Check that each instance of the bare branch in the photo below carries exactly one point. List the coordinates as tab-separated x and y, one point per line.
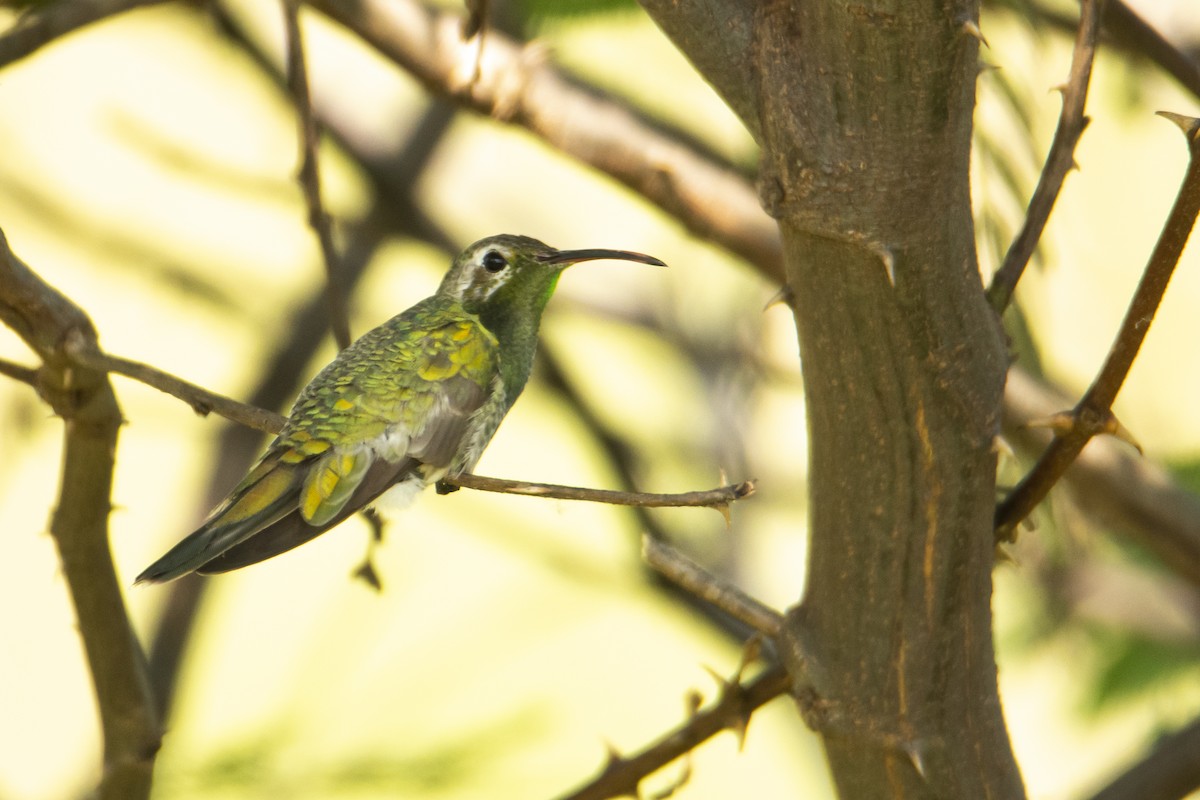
1093	414
18	372
200	399
1118	490
717	498
48	321
737	701
693	578
1059	161
516	85
310	173
37	28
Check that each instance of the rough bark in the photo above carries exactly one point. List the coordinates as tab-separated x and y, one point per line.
863	112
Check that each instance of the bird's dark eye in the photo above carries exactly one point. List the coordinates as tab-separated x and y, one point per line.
494	261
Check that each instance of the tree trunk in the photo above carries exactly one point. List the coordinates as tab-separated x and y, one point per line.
863	112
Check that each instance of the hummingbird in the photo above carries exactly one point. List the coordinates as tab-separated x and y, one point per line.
413	401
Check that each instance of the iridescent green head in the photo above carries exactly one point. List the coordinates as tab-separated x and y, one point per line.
516	272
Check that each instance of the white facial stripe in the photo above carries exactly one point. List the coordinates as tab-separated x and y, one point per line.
485	281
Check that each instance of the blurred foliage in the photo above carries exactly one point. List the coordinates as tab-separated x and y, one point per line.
160	196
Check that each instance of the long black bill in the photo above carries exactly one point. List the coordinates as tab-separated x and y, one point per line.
575	256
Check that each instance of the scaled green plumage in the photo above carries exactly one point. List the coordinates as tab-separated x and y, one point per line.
411	401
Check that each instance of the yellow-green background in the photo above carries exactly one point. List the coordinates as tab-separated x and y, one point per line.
146	170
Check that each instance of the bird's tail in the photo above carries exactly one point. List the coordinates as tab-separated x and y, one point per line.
267	495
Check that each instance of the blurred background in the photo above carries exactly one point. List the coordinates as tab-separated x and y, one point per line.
148	172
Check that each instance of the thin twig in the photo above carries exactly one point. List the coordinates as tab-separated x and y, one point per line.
310	174
690	576
1093	414
1059	161
717	498
200	399
621	776
18	372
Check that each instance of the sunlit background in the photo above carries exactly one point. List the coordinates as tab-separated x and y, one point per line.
147	172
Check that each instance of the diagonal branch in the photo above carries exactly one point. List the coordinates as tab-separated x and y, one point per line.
621	776
516	85
1093	414
200	399
1059	161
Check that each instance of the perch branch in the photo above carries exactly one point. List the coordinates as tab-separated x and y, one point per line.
1059	161
717	498
1093	414
309	175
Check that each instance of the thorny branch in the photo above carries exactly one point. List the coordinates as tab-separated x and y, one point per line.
1059	161
622	775
310	172
1093	414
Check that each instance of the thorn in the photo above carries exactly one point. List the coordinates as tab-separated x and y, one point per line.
1115	429
970	28
723	510
913	750
751	652
1060	88
785	295
612	757
1002	554
722	683
1189	125
889	262
1075	166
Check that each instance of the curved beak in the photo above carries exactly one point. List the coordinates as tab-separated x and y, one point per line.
567	257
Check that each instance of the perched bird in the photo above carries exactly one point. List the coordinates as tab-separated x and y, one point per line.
412	401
